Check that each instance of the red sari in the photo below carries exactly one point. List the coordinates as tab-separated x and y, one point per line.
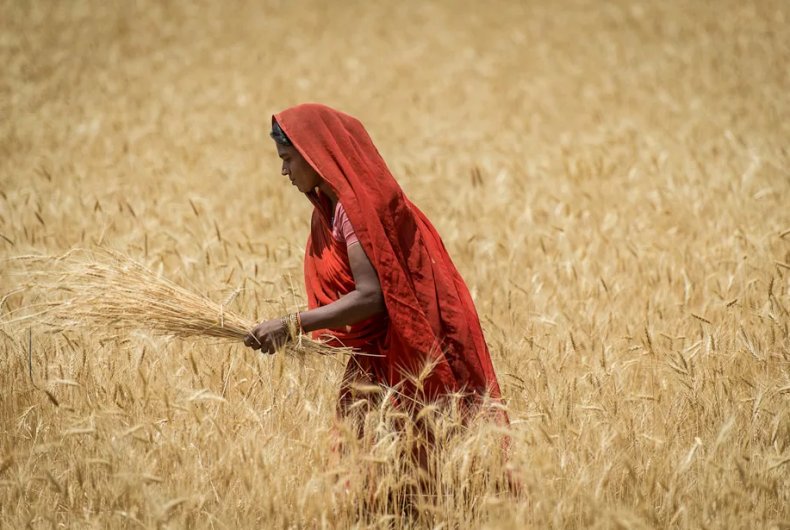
430	314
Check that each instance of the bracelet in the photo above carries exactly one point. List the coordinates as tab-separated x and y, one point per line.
292	323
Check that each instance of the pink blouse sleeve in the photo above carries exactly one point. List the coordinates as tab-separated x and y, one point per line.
343	225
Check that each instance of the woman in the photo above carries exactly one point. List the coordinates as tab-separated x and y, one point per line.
377	275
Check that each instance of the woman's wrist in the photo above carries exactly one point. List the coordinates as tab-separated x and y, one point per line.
292	325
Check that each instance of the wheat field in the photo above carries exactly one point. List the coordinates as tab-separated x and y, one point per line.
611	178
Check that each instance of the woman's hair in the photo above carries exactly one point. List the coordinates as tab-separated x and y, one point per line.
278	135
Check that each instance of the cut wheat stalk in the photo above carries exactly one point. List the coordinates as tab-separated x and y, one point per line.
114	292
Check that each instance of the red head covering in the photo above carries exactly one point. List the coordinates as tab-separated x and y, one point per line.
431	314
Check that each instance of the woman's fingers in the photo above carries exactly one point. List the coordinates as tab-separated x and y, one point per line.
251	341
261	338
267	336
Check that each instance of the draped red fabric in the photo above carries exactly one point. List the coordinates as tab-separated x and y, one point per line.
430	314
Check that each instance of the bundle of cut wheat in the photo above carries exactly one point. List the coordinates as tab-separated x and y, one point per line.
112	291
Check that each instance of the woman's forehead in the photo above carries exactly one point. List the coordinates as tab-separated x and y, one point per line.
286	150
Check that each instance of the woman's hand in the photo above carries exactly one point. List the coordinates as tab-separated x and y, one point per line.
267	336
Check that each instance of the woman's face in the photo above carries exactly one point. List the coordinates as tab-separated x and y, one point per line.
296	168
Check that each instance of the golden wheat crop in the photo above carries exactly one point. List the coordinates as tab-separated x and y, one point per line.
611	178
113	294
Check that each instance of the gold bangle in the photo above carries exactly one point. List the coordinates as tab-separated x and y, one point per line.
291	323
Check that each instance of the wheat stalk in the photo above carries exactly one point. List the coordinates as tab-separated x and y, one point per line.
114	292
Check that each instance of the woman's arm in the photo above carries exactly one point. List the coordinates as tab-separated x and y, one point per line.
363	302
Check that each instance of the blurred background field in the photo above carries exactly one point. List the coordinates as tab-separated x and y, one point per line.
611	178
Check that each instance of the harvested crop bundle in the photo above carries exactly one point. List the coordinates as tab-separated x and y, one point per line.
112	291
